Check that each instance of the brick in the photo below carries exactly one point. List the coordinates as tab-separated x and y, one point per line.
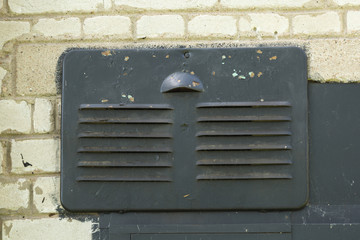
64	28
42	154
15	116
167	26
165	4
14	196
263	3
329	60
325	24
47	228
36	68
267	24
347	2
101	26
353	21
2	75
12	29
215	26
47	194
43	6
43	116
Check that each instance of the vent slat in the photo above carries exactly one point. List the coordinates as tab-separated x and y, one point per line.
244	161
249	176
124	120
122	135
243	133
120	179
243	118
123	150
243	104
123	164
243	147
124	106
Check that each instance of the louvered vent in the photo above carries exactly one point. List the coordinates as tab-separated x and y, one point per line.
240	140
184	129
132	143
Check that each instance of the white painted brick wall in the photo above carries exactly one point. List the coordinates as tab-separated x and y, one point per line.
43	116
166	4
42	154
317	25
353	21
263	3
206	25
47	228
62	28
347	2
15	116
14	195
44	6
47	194
266	24
167	26
98	27
12	29
2	75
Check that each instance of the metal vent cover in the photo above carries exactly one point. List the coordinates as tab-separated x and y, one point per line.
184	129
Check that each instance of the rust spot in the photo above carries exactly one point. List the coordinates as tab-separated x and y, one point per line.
259	74
167	56
126	58
251	74
104	100
192	73
195	84
229	56
259	51
186	195
106	53
131	99
273	58
213	73
125	74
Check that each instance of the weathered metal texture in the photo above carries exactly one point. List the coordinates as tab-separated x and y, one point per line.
132	142
333	210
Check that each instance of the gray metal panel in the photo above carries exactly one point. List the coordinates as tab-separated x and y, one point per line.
241	143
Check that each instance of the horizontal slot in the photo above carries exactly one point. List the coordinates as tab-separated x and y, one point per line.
241	111
130	157
246	140
124	150
244	133
124	120
244	126
248	176
146	129
241	147
122	135
120	179
124	106
126	142
243	104
243	118
243	161
143	174
123	164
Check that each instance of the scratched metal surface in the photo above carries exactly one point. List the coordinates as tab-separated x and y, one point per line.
238	142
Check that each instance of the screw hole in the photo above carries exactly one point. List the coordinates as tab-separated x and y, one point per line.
186	54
